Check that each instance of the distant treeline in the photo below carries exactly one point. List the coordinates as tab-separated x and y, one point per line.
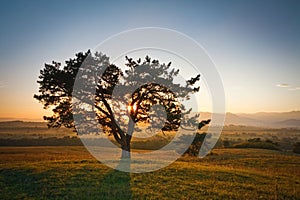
258	143
75	141
50	141
149	144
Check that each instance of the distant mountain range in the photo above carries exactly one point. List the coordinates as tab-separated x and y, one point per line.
261	119
6	119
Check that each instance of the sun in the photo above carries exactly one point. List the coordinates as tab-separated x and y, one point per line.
131	108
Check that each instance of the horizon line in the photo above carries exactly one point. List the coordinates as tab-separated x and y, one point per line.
28	119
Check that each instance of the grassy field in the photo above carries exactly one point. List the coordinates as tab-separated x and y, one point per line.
72	173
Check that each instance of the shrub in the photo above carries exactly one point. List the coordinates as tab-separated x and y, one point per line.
257	143
194	148
226	143
296	147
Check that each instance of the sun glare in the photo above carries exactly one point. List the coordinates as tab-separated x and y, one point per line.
131	108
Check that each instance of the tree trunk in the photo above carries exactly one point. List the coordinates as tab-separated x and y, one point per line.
126	151
125	161
124	164
126	143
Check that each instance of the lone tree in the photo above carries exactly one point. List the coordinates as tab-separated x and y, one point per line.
90	88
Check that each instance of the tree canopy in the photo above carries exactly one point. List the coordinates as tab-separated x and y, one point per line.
90	88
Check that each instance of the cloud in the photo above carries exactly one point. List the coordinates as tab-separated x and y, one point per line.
288	86
283	85
293	89
2	84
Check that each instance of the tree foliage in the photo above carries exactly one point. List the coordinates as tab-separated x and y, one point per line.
105	93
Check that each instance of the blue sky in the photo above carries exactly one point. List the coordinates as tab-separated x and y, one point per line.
254	44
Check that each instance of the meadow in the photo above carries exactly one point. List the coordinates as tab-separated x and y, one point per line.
41	163
70	172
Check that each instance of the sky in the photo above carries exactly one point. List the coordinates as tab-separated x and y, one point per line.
255	45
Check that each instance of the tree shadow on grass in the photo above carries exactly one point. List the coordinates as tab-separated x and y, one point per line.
81	183
116	183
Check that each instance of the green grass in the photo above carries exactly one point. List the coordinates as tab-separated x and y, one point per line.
72	173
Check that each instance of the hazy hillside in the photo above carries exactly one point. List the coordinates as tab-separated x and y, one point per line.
289	123
262	119
273	116
5	119
20	129
22	124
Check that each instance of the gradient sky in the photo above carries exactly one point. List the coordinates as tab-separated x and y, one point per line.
254	44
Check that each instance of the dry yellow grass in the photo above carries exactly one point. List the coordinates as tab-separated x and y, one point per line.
72	173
